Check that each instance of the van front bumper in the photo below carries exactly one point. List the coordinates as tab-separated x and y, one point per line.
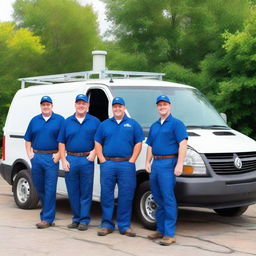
216	192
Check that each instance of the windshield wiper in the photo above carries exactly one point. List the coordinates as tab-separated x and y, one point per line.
223	127
194	127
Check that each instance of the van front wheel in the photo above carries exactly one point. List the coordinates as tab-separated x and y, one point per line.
231	212
145	206
25	195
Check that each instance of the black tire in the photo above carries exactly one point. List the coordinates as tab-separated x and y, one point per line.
24	193
232	212
144	206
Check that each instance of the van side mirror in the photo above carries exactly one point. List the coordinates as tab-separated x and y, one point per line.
224	117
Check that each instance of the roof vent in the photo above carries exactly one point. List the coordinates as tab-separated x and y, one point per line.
99	60
192	134
224	133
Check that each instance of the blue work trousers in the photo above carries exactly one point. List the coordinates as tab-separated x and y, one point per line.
162	183
79	182
44	176
122	173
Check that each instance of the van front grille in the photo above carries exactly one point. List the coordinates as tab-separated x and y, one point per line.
232	163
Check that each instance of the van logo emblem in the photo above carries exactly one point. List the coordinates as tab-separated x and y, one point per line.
127	125
238	163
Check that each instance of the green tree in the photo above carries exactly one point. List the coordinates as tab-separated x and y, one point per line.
237	91
68	30
118	59
20	55
182	31
179	74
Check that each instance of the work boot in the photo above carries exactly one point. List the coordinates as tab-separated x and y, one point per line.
155	235
44	224
104	231
73	225
82	227
167	240
128	232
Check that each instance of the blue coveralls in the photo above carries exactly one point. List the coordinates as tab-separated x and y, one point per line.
79	138
164	140
43	137
118	140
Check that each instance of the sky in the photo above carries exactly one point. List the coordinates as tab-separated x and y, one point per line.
99	7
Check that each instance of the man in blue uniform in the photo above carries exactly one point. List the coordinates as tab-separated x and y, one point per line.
76	139
167	146
118	143
42	149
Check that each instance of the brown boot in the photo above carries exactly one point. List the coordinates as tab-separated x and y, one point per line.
44	224
104	231
73	225
155	235
167	240
82	227
128	232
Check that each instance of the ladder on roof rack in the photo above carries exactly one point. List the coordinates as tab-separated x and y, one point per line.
85	75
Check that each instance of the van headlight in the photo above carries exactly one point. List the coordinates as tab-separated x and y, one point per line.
193	164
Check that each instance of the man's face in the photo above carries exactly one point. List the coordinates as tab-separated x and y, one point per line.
46	108
164	108
81	107
118	111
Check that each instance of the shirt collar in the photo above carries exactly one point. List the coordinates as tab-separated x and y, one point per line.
124	119
87	116
166	120
51	117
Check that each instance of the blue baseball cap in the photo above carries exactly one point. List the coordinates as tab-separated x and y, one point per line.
163	98
118	100
81	97
46	99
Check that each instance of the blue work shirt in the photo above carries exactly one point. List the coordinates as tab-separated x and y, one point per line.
79	137
118	140
164	139
43	134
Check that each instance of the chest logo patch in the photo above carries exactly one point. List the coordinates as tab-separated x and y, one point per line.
127	125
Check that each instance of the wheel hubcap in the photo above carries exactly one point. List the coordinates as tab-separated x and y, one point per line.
23	190
148	207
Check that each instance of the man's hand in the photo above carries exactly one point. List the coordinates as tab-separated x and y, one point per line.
131	160
91	157
56	157
148	167
178	169
31	155
65	165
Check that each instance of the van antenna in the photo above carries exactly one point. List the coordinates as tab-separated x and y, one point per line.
111	79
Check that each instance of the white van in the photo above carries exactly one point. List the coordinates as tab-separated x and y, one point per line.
220	166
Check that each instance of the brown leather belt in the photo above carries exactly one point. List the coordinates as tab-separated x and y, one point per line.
165	157
78	153
45	151
117	158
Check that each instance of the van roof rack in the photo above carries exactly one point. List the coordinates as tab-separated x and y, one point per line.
84	75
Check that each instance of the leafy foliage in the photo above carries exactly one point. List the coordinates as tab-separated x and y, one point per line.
182	31
68	30
238	90
20	55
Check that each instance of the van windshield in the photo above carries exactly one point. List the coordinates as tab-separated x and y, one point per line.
188	105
